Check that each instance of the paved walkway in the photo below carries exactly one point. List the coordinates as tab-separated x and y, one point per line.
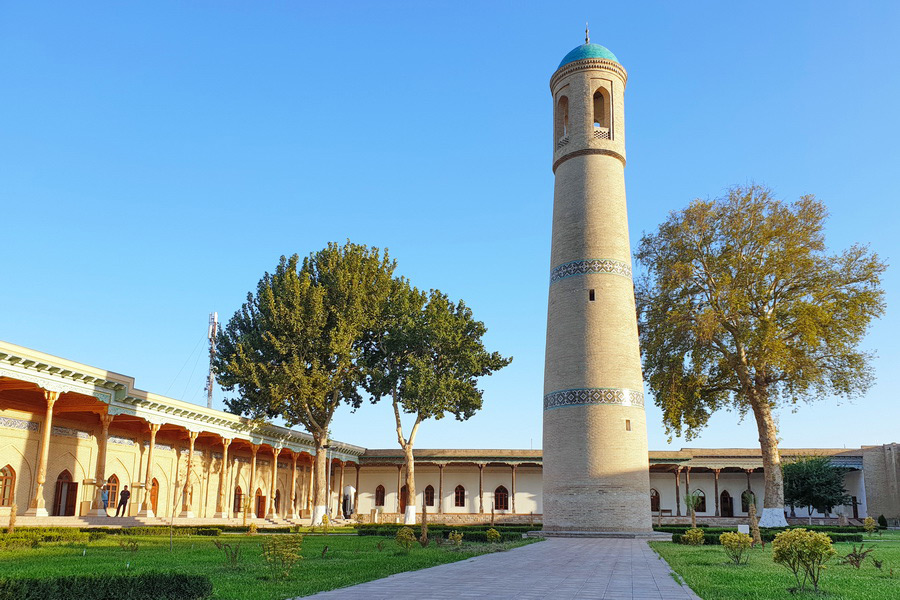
558	568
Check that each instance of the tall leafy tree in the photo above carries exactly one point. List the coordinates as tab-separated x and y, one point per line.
294	349
743	308
427	357
816	483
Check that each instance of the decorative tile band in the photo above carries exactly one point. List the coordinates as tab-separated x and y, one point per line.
241	459
69	432
586	396
19	424
114	439
590	265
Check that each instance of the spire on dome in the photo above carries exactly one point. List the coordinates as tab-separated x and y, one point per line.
587	34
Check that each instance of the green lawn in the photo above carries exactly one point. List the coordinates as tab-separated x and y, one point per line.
706	570
349	560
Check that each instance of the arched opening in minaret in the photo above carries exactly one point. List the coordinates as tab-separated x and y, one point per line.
601	108
562	117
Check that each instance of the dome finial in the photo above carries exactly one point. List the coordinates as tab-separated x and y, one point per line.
587	34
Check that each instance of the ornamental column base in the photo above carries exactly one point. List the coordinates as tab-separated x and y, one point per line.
186	514
38	511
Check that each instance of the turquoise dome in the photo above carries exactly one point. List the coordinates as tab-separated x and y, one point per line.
588	51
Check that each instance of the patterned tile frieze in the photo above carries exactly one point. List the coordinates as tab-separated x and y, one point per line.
241	459
586	396
589	266
69	432
124	441
19	424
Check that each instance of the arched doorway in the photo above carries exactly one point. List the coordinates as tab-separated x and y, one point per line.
726	504
260	504
112	489
501	498
66	495
654	500
154	496
404	499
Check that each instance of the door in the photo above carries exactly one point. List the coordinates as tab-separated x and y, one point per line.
66	495
154	496
260	505
727	504
855	508
404	498
278	502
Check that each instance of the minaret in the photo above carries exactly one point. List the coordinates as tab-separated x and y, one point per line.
595	474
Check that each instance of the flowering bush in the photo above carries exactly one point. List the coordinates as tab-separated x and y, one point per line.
693	537
804	553
493	536
736	545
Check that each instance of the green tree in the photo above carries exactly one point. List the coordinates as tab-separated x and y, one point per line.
294	349
743	308
816	483
427	357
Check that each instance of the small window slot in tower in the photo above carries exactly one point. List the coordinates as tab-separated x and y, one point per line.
591	295
627	424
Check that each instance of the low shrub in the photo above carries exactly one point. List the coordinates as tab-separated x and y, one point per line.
804	553
737	546
693	537
405	538
209	531
147	586
492	535
856	557
870	525
232	554
712	539
282	553
456	537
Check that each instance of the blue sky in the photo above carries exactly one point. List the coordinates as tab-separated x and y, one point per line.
157	158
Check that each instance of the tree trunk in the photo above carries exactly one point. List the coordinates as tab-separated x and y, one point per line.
409	517
320	494
773	500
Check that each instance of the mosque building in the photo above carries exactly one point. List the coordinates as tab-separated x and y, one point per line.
72	436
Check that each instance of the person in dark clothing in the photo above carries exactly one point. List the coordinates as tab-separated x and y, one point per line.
124	495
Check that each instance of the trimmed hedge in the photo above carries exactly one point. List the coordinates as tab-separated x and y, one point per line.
147	586
712	539
390	529
79	534
707	529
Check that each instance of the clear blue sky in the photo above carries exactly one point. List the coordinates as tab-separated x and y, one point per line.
156	158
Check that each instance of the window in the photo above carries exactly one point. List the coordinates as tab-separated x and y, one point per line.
601	108
429	496
746	498
238	500
112	486
459	496
501	498
701	506
562	117
627	424
591	295
7	485
379	496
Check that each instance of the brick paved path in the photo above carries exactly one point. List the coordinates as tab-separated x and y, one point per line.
558	568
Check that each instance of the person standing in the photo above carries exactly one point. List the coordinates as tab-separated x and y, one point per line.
124	495
104	497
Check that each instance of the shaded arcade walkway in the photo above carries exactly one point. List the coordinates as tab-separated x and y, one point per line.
558	568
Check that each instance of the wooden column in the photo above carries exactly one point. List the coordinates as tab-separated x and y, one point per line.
716	475
37	507
302	489
147	507
340	493
440	488
513	491
293	514
100	473
186	495
399	488
312	483
677	491
356	492
223	477
251	493
687	481
273	488
481	488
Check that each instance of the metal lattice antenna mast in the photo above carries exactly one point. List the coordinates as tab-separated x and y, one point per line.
212	334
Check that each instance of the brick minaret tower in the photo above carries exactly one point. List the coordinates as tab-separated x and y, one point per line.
595	438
